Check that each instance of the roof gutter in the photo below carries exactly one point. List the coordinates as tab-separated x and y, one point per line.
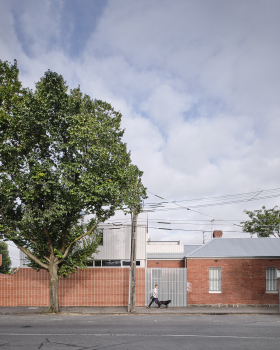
232	257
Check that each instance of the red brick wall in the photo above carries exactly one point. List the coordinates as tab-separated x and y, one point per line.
92	287
26	287
166	263
243	282
101	287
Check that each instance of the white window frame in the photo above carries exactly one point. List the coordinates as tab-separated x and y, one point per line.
215	280
271	281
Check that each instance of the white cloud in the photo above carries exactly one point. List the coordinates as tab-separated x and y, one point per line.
166	106
197	83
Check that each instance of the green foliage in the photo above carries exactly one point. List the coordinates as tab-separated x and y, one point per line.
264	222
6	261
61	157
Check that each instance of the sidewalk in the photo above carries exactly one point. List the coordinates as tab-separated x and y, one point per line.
111	310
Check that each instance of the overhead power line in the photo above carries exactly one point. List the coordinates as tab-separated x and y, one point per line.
181	229
184	207
212	201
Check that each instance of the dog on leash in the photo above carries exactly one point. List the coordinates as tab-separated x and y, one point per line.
165	303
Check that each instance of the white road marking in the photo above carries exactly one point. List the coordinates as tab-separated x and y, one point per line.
139	335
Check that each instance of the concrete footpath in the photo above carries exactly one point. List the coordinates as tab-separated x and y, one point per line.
111	310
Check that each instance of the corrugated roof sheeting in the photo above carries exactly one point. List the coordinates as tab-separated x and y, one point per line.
239	247
190	248
173	255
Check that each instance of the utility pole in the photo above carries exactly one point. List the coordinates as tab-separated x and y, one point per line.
132	275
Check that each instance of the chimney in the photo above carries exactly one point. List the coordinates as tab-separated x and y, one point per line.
217	234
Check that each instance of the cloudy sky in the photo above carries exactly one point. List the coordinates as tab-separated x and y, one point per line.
197	83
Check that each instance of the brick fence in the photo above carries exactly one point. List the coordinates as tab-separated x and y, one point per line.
92	287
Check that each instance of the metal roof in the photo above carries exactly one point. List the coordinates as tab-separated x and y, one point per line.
238	247
187	250
190	248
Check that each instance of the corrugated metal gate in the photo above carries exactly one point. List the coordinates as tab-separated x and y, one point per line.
172	284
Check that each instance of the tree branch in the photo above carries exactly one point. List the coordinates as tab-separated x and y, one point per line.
19	233
76	240
49	240
31	256
64	232
83	235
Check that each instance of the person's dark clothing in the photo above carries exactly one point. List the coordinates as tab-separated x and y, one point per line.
154	300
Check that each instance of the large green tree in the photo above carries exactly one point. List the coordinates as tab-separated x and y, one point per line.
61	158
6	261
264	222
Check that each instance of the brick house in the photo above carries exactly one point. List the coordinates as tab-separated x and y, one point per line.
226	271
234	271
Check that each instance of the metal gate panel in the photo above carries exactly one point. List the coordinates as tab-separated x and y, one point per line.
172	284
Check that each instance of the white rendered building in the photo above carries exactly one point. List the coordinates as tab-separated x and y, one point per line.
115	245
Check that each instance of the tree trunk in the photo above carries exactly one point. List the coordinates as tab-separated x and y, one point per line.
53	293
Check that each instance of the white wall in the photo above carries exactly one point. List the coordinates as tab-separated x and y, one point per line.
117	243
23	259
165	248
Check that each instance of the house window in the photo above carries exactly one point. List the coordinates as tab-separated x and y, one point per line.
271	279
127	263
215	284
111	263
92	263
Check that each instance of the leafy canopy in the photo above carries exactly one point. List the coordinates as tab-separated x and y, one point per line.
264	222
61	157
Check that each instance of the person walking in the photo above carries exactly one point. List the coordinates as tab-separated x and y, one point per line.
154	297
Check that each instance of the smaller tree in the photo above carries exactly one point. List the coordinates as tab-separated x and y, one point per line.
264	222
6	261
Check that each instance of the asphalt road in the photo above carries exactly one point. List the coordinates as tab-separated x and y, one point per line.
140	332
